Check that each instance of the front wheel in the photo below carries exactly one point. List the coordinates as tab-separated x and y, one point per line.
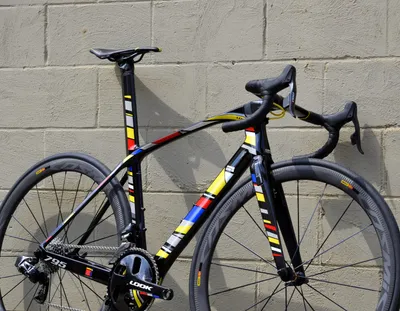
347	237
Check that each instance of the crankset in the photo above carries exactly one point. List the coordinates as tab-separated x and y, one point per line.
134	282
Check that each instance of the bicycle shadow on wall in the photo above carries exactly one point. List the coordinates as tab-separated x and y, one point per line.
370	167
181	163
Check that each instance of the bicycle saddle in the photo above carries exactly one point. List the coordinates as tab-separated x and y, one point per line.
114	55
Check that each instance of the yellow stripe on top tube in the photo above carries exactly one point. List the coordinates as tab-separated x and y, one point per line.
250	139
218	184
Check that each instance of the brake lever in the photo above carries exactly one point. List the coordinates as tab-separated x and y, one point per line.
356	136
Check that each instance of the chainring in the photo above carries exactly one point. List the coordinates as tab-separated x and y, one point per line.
134	299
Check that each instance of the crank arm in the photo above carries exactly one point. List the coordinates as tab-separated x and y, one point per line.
155	290
146	288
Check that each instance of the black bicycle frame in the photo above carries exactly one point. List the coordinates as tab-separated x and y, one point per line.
254	153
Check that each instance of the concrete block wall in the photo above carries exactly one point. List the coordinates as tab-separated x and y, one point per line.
55	96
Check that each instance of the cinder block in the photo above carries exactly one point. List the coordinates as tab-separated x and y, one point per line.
391	151
213	30
192	163
370	165
226	87
167	96
19	151
177	279
321	29
23	38
51	97
393	28
122	25
373	85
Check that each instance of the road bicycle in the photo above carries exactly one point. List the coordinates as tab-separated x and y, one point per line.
299	234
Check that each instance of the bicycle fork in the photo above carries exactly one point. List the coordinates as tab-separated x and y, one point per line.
274	210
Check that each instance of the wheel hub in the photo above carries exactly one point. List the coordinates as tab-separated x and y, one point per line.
292	278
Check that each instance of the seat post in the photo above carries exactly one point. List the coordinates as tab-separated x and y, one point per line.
132	142
127	68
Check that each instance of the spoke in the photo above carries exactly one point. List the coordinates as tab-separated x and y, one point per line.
269	297
34	217
84	293
10	276
326	297
346	266
8	256
33	297
87	286
73	241
262	231
55	291
239	268
298	213
14	286
90	189
76	192
308	224
62	191
60	287
345	285
25	296
41	208
286	301
72	207
59	207
290	299
266	261
100	239
63	289
25	229
48	295
273	293
304	298
304	302
333	228
241	286
58	202
337	244
22	239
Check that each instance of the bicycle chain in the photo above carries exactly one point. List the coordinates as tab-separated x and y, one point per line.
57	242
56	306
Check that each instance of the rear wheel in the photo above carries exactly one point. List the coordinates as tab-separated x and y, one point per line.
38	202
347	237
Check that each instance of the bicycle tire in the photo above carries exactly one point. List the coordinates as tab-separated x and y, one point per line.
40	178
312	170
